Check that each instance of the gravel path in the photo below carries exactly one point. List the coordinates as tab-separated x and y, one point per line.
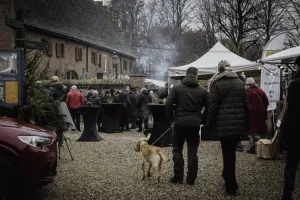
110	169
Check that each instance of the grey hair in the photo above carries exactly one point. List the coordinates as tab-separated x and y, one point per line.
54	79
95	92
192	71
143	89
74	87
222	65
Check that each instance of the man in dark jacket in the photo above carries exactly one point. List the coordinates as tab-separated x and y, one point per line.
133	100
143	110
292	136
125	109
164	94
58	90
229	112
184	107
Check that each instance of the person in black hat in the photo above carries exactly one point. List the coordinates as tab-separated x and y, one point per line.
292	136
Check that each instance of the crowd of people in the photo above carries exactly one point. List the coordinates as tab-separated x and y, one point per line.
134	109
234	107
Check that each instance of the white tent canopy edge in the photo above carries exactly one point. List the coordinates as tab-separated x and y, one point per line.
208	63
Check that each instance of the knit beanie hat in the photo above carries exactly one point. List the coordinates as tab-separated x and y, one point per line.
250	81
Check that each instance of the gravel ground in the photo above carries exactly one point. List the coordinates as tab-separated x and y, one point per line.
110	169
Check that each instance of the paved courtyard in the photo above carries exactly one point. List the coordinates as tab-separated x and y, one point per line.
110	169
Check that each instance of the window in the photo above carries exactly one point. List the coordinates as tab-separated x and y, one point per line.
99	75
94	58
60	50
125	65
100	61
78	54
49	51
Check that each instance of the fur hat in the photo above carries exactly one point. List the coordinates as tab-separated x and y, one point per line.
54	79
250	81
223	64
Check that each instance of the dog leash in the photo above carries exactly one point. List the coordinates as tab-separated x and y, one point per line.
162	135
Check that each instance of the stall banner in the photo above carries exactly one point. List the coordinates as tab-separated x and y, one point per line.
270	84
270	74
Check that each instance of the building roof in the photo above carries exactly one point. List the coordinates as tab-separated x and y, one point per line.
79	20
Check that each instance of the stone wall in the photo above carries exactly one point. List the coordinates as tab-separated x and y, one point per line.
7	35
66	66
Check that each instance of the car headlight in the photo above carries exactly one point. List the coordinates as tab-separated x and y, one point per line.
36	141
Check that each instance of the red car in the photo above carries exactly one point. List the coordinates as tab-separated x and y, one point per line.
28	158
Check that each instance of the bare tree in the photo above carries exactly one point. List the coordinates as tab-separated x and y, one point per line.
174	14
293	22
128	12
237	20
206	14
271	16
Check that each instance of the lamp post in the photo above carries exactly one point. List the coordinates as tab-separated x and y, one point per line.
115	61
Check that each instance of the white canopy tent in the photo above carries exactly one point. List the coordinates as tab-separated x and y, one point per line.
286	54
208	63
158	83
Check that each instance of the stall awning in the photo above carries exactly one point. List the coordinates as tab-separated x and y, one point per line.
208	63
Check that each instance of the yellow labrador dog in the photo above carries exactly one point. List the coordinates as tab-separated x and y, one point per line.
152	155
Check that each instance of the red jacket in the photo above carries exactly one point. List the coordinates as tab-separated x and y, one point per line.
74	99
259	103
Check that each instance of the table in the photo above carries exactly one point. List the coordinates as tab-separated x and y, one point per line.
111	117
89	115
160	125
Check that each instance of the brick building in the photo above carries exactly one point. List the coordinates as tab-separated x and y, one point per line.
81	35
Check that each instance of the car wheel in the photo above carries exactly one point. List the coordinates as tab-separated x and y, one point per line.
9	180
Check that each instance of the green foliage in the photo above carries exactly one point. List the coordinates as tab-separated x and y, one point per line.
40	106
160	101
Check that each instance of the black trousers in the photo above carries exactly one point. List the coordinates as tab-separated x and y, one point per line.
292	161
124	123
133	119
141	121
229	157
75	114
190	134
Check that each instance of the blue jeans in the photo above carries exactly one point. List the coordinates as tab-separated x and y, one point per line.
291	164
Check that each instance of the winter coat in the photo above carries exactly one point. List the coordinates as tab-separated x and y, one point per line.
258	102
58	91
95	100
185	102
143	99
164	94
87	96
228	108
133	100
108	99
125	100
293	114
74	99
